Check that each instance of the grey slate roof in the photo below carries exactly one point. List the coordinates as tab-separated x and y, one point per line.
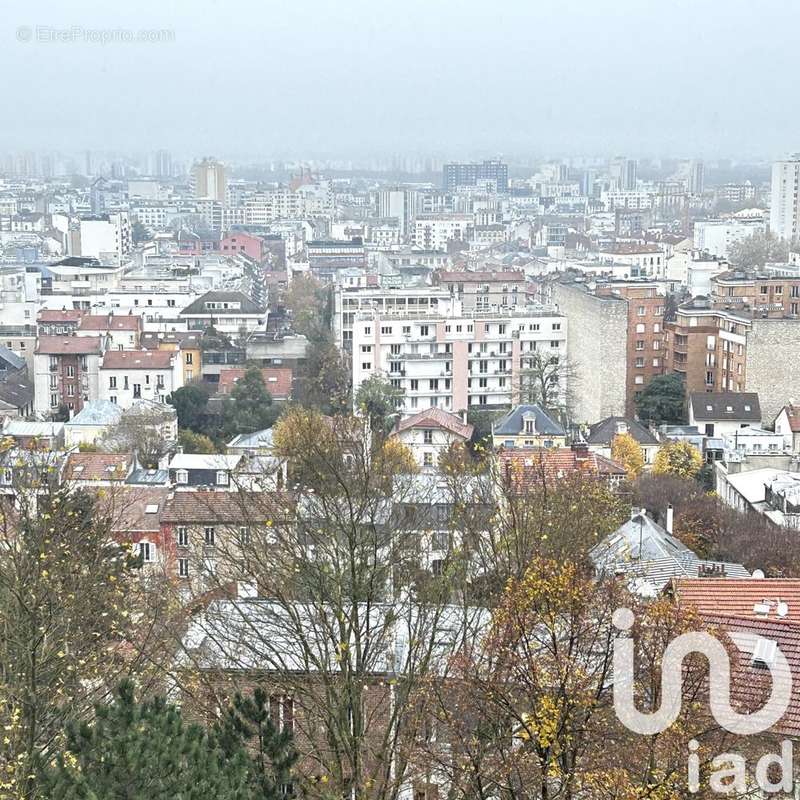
512	423
247	306
603	432
16	391
11	358
650	557
97	412
736	406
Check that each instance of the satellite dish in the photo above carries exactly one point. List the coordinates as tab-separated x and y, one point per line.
758	574
782	609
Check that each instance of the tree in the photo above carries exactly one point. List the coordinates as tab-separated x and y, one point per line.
378	401
663	401
305	298
325	379
145	751
192	442
68	635
248	721
547	381
757	250
681	459
141	431
190	402
248	408
628	452
139	232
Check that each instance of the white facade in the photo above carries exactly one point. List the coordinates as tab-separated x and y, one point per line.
453	361
107	237
434	231
717	236
427	444
784	211
138	380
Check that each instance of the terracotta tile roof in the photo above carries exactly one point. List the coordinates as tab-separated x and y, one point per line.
527	467
240	508
110	322
138	359
751	683
68	345
435	418
724	597
278	380
134	509
98	466
59	315
793	415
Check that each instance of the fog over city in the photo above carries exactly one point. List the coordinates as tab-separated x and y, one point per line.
316	78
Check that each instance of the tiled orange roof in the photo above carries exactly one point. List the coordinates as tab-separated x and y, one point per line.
278	380
435	418
98	466
59	315
68	345
793	414
110	322
138	359
527	467
738	598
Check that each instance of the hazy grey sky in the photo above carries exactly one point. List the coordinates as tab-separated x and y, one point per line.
350	77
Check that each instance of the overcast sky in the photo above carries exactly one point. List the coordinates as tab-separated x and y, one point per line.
277	78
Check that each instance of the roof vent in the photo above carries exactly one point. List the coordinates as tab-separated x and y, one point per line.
761	609
764	652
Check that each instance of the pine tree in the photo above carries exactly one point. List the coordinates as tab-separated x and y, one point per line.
249	407
144	751
248	722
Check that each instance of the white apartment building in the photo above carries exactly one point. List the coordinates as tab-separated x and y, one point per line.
155	215
434	231
127	376
451	360
784	209
349	300
633	200
107	236
717	235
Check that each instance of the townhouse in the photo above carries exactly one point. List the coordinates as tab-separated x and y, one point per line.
66	372
126	376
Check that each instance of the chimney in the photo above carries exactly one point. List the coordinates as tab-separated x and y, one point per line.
581	450
670	514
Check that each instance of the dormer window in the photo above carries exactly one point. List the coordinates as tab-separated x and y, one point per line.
222	478
530	425
181	476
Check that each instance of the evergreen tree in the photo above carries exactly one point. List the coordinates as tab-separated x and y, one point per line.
249	407
144	751
248	722
663	401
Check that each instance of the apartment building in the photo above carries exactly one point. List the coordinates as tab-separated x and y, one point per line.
120	332
706	347
130	375
482	290
415	300
784	208
644	335
717	236
763	294
66	372
456	360
434	231
644	260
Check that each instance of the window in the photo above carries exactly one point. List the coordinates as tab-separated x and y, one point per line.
414	384
244	535
386	330
427	459
183	536
112	382
640	361
641	311
70	371
190	358
554	344
137	390
209	536
53	401
181	476
427	436
366	366
556	326
147	552
640	328
639	379
113	399
640	344
183	567
222	477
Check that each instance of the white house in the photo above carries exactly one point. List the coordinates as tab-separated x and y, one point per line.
721	413
429	434
787	423
130	375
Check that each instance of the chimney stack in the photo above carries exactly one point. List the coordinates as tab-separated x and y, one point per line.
670	514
